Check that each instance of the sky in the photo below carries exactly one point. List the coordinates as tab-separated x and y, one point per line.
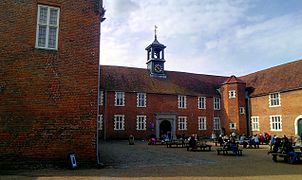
217	37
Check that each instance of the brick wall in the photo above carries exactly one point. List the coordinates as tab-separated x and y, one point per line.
48	99
230	108
290	109
156	103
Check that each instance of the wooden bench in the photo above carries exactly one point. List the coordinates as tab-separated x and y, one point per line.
201	147
227	151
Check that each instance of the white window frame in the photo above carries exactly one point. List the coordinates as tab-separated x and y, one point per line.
141	122
141	99
232	94
216	123
241	110
182	123
202	123
182	102
216	103
119	99
201	102
276	122
273	100
232	125
101	98
119	122
255	123
100	122
48	25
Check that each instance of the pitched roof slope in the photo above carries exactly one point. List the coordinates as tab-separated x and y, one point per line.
276	79
233	79
128	79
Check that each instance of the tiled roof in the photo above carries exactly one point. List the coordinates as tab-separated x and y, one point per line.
276	79
233	79
128	79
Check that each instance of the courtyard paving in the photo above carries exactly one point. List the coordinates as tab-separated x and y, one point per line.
142	161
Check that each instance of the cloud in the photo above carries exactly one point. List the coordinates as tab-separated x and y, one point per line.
202	36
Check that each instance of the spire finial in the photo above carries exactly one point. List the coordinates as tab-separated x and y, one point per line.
155	31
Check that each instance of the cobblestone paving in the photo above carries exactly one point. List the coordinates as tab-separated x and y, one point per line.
119	154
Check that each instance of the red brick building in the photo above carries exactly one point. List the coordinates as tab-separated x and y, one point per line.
275	100
149	101
49	57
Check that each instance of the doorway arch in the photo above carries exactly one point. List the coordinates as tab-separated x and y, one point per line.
165	127
298	125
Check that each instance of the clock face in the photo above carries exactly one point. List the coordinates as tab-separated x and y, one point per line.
158	68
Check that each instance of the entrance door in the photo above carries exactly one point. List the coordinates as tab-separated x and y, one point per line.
300	126
165	128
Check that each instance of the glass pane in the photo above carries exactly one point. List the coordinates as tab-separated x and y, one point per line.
43	15
52	37
53	17
42	36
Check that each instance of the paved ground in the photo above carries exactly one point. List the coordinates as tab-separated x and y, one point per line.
142	161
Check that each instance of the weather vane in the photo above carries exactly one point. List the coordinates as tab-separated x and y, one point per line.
155	30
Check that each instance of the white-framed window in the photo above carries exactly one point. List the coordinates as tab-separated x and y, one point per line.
232	125
216	103
47	27
182	102
255	123
119	122
242	110
274	100
100	122
141	122
201	102
276	123
101	98
182	123
216	123
141	99
232	94
119	99
202	123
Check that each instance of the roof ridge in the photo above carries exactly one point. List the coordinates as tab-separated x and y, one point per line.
130	67
277	66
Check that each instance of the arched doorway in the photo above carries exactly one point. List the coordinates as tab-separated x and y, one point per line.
299	123
165	128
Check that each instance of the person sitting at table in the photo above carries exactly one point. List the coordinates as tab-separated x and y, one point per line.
242	140
233	145
193	143
220	140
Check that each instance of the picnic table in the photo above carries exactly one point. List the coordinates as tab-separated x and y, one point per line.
229	149
286	157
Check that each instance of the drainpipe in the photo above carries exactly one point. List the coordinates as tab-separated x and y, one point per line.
105	114
248	107
101	11
98	111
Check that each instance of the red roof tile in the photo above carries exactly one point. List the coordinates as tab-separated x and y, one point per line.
233	79
128	79
276	79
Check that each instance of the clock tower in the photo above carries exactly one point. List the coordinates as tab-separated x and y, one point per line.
156	58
